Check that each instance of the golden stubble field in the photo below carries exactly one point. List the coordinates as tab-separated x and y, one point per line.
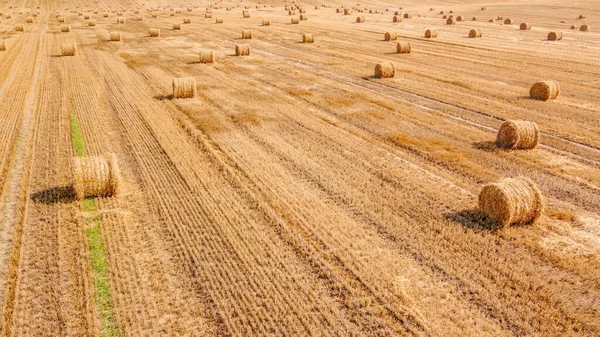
295	194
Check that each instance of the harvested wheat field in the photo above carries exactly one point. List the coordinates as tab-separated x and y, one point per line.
166	173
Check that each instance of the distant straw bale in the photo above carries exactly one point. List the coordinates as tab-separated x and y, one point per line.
246	34
242	50
206	56
584	28
184	87
544	90
525	26
390	36
115	36
360	19
431	33
555	36
475	33
68	49
385	70
515	134
308	38
403	47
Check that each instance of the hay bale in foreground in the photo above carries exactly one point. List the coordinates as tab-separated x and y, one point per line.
154	32
514	134
246	34
512	201
525	26
242	50
65	28
96	176
184	87
68	49
360	19
206	56
555	36
308	38
403	47
115	36
266	22
544	90
475	33
390	36
385	70
584	28
431	33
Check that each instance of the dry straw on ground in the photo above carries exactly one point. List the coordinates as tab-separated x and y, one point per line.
266	22
360	19
390	36
475	33
68	49
308	38
154	32
246	34
96	176
207	56
385	70
544	90
431	33
512	201
115	36
515	134
65	28
525	26
184	87
242	50
403	47
555	36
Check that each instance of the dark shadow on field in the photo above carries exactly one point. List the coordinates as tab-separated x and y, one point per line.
474	219
163	97
486	146
55	195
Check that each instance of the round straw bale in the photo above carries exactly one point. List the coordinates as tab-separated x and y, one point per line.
246	34
581	16
62	20
407	15
385	70
584	28
295	21
219	20
207	56
96	176
338	10
68	49
451	11
347	11
459	18
92	23
242	50
360	19
507	21
397	13
187	20
291	12
115	36
245	14
491	20
544	90
303	17
65	28
445	17
397	18
475	33
403	47
120	20
2	45
555	36
266	22
105	15
514	134
176	26
441	12
512	201
86	17
184	87
483	8
208	15
574	27
154	32
474	18
525	26
431	33
390	36
308	38
29	20
451	21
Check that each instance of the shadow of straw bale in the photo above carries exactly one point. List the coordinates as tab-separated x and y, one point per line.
474	219
55	195
486	146
163	97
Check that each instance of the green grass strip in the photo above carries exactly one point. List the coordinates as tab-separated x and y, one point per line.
100	277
